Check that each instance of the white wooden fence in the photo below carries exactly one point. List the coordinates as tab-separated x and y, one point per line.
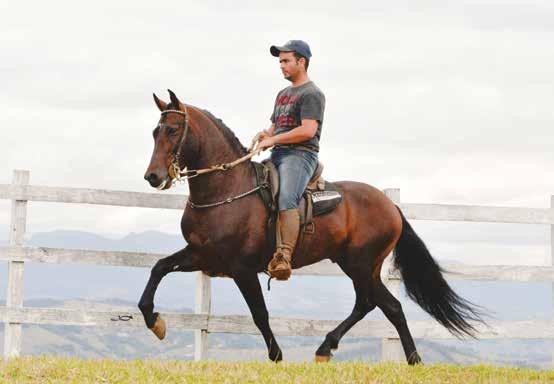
202	322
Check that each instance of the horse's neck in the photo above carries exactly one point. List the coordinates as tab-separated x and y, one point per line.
219	185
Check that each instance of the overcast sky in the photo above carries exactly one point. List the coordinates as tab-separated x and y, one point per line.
452	102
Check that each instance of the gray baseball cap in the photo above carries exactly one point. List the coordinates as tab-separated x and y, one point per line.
298	46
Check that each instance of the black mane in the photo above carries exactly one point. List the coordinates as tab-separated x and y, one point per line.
227	133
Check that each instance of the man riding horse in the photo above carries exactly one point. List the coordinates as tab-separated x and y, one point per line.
294	133
225	221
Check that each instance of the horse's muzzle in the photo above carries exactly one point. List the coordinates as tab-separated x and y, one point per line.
153	179
156	182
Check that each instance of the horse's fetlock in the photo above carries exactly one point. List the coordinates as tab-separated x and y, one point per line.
276	355
333	341
145	307
414	358
323	350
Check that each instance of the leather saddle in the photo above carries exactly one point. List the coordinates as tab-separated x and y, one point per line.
320	197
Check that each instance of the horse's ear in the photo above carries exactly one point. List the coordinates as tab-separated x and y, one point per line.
161	104
174	100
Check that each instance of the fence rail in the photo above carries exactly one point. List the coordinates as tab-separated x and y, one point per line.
436	212
454	271
281	326
202	322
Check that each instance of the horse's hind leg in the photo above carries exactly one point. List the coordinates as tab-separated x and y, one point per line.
364	304
179	261
392	309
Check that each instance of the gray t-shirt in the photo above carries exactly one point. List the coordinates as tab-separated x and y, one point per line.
294	104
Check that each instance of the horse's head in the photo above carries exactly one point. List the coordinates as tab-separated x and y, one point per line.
169	137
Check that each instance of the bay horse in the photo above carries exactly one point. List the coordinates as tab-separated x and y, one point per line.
229	238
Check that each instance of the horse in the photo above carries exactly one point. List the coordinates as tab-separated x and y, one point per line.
229	236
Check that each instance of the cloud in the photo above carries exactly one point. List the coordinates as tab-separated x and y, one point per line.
451	102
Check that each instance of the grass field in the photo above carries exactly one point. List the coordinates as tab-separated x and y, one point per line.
60	370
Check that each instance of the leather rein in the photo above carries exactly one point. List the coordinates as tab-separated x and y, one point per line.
176	174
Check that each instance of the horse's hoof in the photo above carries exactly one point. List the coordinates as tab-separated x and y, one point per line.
414	359
159	327
322	358
278	358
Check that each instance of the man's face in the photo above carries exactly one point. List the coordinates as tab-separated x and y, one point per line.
290	66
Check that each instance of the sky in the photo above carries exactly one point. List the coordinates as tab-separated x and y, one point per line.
449	101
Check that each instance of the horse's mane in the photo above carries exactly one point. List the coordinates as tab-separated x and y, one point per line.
227	132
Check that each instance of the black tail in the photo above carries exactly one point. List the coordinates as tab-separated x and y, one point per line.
426	286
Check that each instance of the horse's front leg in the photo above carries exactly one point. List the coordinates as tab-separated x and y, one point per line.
179	261
249	286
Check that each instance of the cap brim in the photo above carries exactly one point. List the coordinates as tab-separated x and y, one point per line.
276	50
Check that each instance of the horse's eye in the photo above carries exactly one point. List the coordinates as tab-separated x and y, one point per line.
171	131
155	133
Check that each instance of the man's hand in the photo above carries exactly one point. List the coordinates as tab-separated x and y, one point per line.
269	141
260	136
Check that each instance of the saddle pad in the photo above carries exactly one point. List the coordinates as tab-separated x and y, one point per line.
325	201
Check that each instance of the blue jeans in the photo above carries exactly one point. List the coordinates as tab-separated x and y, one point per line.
295	167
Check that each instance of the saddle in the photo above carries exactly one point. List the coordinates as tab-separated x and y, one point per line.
319	197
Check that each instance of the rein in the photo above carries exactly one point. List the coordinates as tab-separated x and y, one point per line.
188	174
176	174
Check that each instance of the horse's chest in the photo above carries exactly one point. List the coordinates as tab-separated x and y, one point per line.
212	253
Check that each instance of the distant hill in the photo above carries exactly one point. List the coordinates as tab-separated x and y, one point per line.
149	241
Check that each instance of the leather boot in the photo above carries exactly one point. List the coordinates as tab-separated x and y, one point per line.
288	226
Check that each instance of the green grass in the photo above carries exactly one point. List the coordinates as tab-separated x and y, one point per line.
63	370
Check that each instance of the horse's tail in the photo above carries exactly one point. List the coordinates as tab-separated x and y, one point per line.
426	286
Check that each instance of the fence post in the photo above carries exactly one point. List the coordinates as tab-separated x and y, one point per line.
391	348
202	305
552	264
14	294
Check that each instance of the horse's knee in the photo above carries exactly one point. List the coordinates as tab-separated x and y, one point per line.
159	269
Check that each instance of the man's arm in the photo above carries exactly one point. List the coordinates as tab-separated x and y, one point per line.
299	134
296	135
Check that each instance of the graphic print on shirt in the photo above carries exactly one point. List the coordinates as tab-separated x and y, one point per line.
293	104
285	111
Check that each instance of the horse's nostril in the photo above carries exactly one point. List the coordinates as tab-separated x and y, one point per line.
150	177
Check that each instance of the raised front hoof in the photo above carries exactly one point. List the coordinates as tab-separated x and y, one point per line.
159	327
322	358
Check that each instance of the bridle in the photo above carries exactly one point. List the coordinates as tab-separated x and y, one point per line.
175	173
174	170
